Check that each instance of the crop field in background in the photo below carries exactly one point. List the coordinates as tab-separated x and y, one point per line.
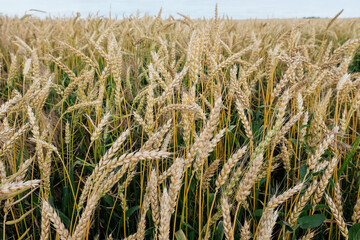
163	128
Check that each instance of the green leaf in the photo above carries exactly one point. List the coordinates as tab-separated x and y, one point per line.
65	198
130	211
354	232
294	141
37	10
180	235
108	200
307	207
258	212
288	226
190	227
211	198
81	162
219	234
322	206
303	170
350	155
311	221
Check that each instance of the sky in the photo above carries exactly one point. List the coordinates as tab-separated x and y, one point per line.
236	9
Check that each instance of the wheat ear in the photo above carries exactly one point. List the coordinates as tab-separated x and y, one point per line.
55	219
225	209
339	219
164	228
228	166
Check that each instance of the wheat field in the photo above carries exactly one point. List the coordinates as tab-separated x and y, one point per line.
178	128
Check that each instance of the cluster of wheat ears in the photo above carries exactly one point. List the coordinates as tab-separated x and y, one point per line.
176	128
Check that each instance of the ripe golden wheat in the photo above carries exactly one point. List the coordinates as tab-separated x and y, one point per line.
152	128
